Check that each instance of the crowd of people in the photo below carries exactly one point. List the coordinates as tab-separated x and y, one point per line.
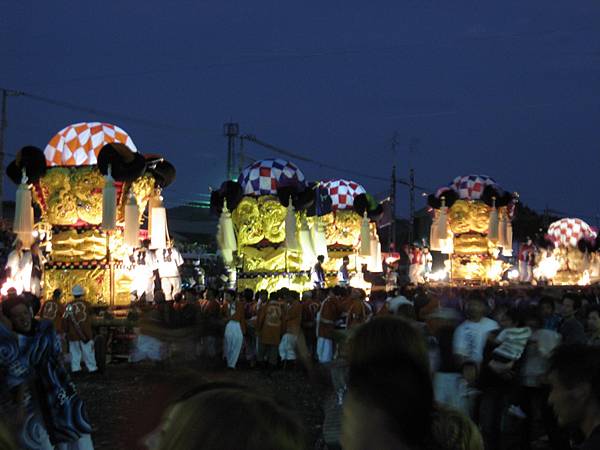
427	367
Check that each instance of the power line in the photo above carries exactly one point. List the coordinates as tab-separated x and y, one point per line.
95	111
299	157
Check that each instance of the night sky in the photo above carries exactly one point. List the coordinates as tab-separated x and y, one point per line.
510	89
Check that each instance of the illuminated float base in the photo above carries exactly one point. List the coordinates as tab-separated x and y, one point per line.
95	281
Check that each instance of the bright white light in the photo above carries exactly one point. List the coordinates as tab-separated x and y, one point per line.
440	275
513	274
547	268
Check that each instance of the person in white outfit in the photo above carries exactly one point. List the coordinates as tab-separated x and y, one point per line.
77	324
167	262
234	330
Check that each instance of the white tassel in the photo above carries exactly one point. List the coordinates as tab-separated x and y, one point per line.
318	238
502	231
159	233
306	246
365	237
291	242
229	241
493	223
375	264
109	202
507	251
443	220
434	238
23	221
132	222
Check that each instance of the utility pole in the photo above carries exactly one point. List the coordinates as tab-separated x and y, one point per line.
392	236
412	148
241	155
231	130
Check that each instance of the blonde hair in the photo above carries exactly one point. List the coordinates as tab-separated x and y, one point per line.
231	417
452	430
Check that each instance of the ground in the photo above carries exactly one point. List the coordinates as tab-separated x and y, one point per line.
126	402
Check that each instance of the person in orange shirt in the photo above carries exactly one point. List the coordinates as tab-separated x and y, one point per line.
293	318
235	328
326	318
358	312
77	324
53	311
270	324
310	309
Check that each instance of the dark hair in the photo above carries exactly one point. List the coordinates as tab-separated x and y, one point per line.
204	415
10	302
577	364
248	295
401	388
514	315
320	258
576	300
338	291
546	301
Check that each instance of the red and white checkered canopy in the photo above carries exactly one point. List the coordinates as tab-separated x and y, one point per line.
567	232
342	193
80	143
470	187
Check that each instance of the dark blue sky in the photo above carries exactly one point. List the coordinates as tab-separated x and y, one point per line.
510	89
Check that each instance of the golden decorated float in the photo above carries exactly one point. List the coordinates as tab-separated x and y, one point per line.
472	225
90	187
273	225
568	255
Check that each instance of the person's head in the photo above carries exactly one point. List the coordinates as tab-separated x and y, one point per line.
18	312
56	295
247	295
224	416
452	430
593	319
320	259
390	395
357	294
532	318
178	297
574	377
18	245
475	308
211	294
345	260
387	336
510	318
546	307
263	295
569	305
229	295
78	292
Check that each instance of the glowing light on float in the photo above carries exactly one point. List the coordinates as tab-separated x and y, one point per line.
585	279
439	275
513	274
547	268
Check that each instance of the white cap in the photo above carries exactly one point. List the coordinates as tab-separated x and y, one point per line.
77	291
